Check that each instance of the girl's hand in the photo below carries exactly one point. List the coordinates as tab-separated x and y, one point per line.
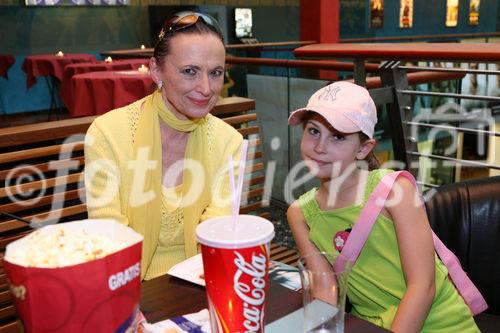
300	229
325	285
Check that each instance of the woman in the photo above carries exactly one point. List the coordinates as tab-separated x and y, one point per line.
159	165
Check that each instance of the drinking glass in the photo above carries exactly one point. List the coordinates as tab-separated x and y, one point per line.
324	292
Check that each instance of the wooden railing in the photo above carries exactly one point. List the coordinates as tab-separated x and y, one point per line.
148	52
268	46
372	82
422	38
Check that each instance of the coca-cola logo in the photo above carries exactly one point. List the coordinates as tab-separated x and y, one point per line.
253	295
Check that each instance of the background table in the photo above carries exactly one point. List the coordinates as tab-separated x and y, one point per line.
166	297
66	91
51	65
6	62
99	92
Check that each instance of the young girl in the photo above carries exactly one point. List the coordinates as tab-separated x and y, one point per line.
397	282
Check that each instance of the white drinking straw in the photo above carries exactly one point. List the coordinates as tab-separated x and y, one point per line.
231	180
236	191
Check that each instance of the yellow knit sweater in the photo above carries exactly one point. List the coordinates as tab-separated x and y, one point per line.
108	152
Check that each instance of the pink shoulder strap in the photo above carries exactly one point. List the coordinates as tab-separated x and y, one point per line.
363	226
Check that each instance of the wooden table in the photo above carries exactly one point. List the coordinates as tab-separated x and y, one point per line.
482	52
129	53
166	297
99	92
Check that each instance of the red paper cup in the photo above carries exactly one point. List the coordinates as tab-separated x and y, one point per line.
102	295
235	264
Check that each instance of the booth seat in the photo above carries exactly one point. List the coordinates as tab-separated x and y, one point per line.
466	217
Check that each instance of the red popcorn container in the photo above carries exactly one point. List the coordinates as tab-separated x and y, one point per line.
100	295
235	264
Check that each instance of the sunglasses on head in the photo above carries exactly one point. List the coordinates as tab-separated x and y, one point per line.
185	20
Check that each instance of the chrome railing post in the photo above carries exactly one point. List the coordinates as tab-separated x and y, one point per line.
400	111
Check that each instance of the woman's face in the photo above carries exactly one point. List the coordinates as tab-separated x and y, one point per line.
192	74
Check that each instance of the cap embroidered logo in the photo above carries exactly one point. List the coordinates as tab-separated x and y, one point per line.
329	93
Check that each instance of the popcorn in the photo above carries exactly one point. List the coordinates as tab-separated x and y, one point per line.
60	247
60	286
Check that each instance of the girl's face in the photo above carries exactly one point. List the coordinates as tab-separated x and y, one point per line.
192	74
328	152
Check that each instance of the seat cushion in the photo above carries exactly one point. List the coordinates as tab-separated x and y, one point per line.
487	323
466	217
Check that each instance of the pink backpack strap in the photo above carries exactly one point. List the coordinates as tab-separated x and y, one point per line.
469	292
364	224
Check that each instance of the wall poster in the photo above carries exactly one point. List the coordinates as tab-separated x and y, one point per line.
406	14
54	3
474	12
376	13
451	13
243	21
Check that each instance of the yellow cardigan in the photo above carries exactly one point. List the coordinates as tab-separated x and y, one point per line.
108	152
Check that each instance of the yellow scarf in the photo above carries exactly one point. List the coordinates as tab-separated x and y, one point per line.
144	210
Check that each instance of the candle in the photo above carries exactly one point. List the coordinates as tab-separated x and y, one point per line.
60	54
143	47
143	69
108	59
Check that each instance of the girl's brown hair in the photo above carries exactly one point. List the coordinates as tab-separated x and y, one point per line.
371	159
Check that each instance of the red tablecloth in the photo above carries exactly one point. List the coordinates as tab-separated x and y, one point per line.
6	62
99	92
66	91
50	64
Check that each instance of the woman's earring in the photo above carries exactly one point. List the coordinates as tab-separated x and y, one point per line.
160	84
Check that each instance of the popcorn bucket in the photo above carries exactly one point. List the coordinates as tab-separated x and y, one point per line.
100	295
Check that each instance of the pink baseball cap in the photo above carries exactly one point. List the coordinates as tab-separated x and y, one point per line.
345	105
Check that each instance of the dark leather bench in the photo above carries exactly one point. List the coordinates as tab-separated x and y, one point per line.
466	217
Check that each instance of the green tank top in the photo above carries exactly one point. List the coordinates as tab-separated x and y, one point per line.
376	282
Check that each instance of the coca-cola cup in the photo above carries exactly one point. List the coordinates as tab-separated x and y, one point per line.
235	262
